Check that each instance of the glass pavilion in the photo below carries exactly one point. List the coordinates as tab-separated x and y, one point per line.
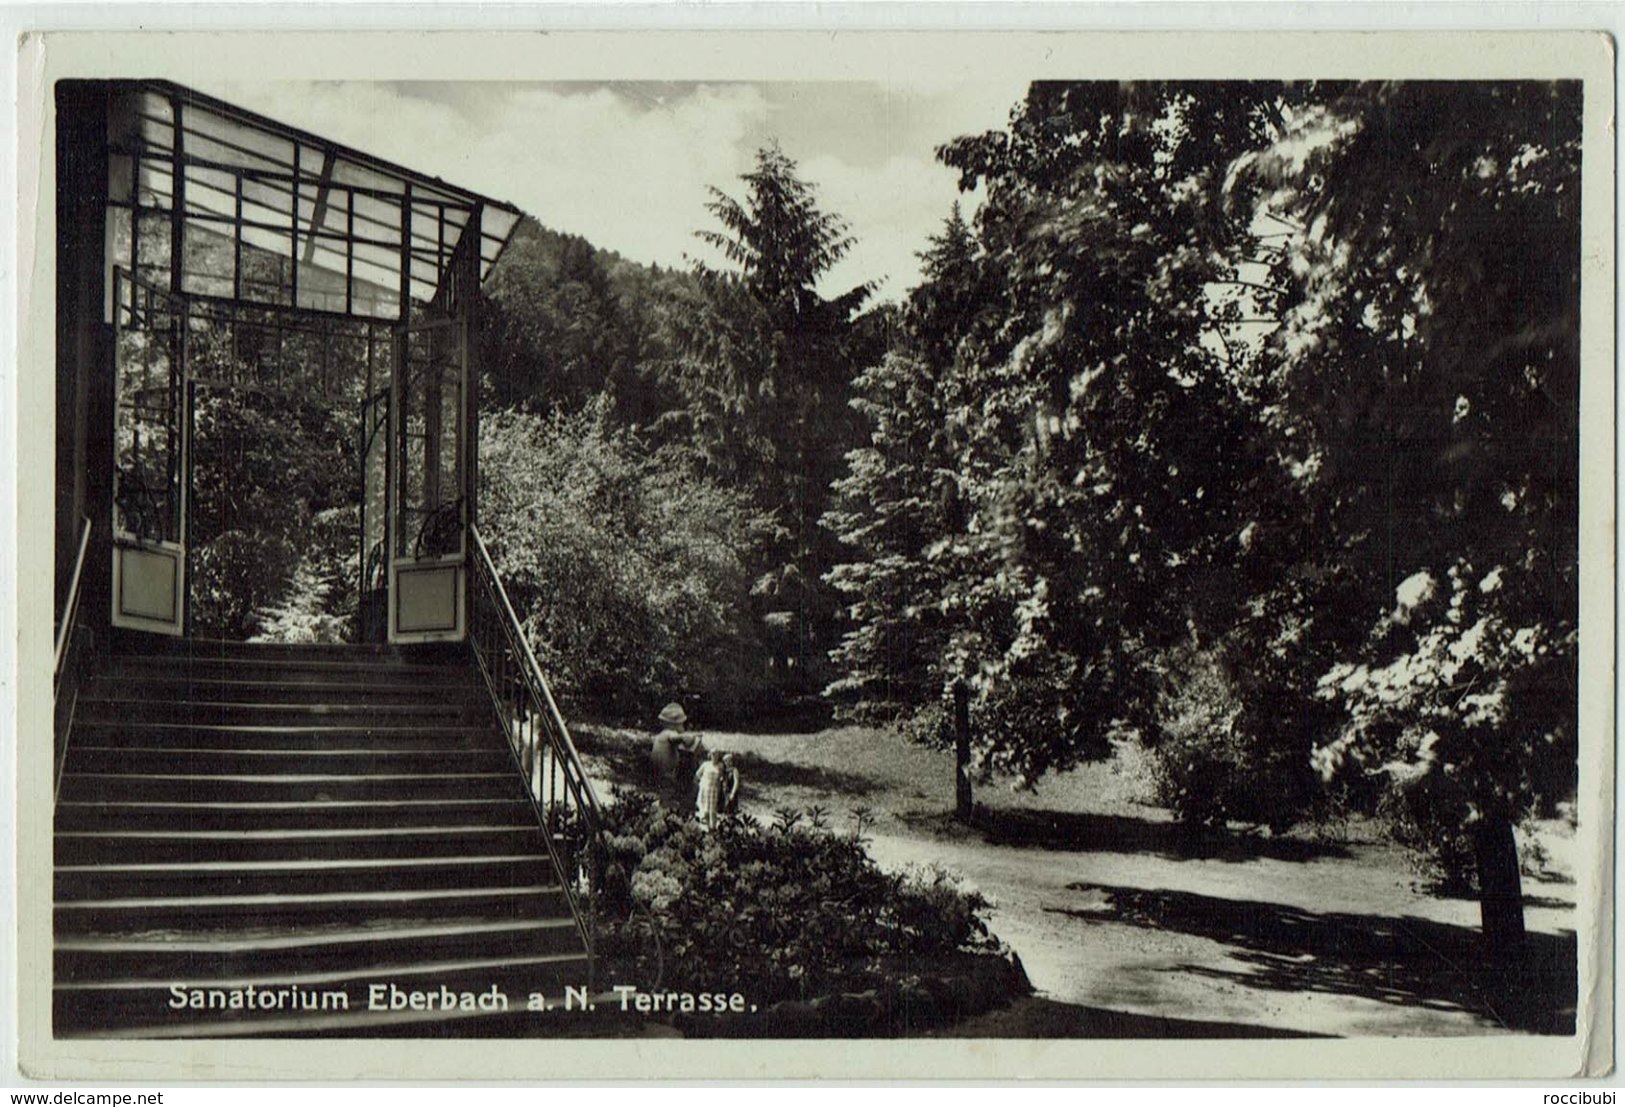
232	257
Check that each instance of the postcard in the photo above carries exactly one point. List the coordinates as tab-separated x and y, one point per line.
781	555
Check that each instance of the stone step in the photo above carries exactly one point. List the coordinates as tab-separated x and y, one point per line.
184	787
298	877
164	957
459	711
273	762
309	815
112	847
184	913
385	688
302	820
313	737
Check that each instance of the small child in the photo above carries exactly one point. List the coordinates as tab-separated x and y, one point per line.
730	785
709	779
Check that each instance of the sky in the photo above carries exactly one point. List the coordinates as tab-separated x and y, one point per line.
628	165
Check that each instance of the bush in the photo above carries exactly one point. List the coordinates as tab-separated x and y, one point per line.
786	911
1220	754
623	565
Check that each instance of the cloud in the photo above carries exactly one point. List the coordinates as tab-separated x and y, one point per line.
629	166
893	210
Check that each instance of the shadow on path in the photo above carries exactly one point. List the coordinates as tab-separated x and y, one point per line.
1037	828
1035	1017
1400	960
625	757
756	772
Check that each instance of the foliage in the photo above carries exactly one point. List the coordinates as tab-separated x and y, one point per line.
888	509
787	911
319	604
1214	760
1217	404
272	467
623	564
1437	724
565	325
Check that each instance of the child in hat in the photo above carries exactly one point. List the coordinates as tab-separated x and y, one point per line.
663	751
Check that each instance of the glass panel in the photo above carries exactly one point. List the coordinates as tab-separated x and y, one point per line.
429	456
156	105
211	348
122	123
304	361
310	193
209	262
496	225
152	251
426	230
375	289
348	172
379	220
374	300
267	267
141	134
210	192
214	138
344	369
425	271
154	183
268	202
120	177
321	278
448	478
147	415
118	237
456	220
154	121
335	213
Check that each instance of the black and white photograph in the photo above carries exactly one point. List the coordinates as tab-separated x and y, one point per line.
882	557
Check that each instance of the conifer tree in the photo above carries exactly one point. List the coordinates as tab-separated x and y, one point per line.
764	372
898	499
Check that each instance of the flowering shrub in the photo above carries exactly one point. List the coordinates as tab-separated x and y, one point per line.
786	911
622	564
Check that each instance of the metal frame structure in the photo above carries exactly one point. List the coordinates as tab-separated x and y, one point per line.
240	195
233	215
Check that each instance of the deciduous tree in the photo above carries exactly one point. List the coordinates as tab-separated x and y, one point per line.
1427	370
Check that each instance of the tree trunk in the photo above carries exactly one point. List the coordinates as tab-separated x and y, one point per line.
1500	890
962	792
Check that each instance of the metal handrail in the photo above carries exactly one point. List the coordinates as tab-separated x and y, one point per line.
535	671
66	636
70	614
510	668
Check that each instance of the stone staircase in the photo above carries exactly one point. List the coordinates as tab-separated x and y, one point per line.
245	833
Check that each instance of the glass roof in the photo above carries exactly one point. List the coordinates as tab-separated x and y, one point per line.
342	219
